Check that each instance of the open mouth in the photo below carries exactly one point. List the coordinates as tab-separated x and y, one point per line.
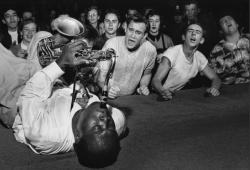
192	40
131	42
110	29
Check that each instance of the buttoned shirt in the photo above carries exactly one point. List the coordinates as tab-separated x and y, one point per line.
44	120
231	61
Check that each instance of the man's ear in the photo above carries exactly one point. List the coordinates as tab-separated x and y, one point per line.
144	38
202	40
198	10
183	37
77	136
3	21
119	25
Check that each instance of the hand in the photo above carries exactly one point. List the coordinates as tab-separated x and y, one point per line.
159	58
166	94
213	91
21	53
113	92
68	54
143	90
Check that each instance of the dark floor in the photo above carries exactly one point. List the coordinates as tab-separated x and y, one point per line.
190	132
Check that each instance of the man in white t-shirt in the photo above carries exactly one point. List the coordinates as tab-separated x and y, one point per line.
136	58
183	62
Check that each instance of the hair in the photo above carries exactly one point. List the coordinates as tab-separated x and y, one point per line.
113	11
7	8
196	23
90	33
98	150
153	12
188	2
95	8
26	22
139	18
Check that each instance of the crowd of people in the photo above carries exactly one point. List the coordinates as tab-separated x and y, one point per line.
39	68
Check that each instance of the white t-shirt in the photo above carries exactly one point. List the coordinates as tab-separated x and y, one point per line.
44	122
23	46
14	36
130	66
182	70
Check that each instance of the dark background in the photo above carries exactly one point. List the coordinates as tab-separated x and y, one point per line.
238	8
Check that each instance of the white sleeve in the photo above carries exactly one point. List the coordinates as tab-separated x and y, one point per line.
170	53
40	85
202	61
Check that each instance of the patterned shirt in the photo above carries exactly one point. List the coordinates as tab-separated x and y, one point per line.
231	61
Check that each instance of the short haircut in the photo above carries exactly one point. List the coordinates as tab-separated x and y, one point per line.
113	11
5	9
26	22
188	2
195	23
98	150
153	12
95	8
138	18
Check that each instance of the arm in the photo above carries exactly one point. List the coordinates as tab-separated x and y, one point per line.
40	85
216	82
103	70
161	73
145	80
147	74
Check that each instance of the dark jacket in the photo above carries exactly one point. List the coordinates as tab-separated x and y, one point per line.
5	38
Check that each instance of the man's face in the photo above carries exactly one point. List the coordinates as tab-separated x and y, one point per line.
27	15
28	31
228	25
82	17
135	34
131	12
191	11
93	16
95	120
111	23
11	19
194	35
154	23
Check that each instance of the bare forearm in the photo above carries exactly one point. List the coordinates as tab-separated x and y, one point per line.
216	83
157	84
145	80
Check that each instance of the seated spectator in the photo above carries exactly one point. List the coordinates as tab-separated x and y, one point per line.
111	26
181	63
230	57
10	35
28	30
136	59
160	40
